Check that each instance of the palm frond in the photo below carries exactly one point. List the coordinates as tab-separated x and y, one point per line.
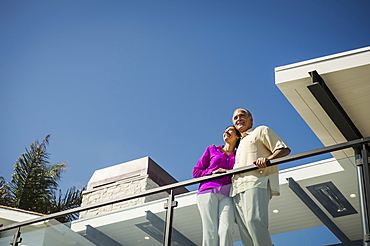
4	192
72	199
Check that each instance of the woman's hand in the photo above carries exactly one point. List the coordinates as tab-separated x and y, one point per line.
220	170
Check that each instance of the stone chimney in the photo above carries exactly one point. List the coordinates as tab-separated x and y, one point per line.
125	179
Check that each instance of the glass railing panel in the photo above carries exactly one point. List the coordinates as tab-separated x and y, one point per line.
139	224
319	235
6	236
305	161
329	186
187	223
49	232
291	222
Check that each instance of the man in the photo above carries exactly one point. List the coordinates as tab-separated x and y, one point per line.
253	190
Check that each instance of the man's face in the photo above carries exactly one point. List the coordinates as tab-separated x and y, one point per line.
242	120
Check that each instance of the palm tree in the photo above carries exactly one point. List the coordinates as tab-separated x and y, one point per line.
34	184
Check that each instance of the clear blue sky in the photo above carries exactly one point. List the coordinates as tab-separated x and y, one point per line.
113	81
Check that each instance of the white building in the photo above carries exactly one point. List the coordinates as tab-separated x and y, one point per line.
315	194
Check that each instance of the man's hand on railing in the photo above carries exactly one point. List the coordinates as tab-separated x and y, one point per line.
261	162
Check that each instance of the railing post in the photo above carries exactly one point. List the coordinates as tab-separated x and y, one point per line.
169	205
17	238
366	173
362	161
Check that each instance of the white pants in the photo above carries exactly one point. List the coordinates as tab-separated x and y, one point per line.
252	216
217	212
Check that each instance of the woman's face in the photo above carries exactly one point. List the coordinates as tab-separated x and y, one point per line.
230	135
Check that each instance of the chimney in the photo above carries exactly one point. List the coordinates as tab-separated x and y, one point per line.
125	179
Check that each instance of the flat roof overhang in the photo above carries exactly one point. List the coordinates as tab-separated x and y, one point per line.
347	75
332	96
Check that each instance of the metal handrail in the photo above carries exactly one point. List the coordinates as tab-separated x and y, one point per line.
324	150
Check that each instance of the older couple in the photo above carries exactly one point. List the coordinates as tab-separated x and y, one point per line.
244	198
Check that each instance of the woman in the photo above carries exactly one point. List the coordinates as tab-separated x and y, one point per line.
215	206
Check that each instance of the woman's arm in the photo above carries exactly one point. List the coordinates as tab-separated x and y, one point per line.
200	169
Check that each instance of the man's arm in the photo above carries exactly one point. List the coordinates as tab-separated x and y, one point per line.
261	162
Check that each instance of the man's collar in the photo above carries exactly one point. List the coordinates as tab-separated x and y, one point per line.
249	131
